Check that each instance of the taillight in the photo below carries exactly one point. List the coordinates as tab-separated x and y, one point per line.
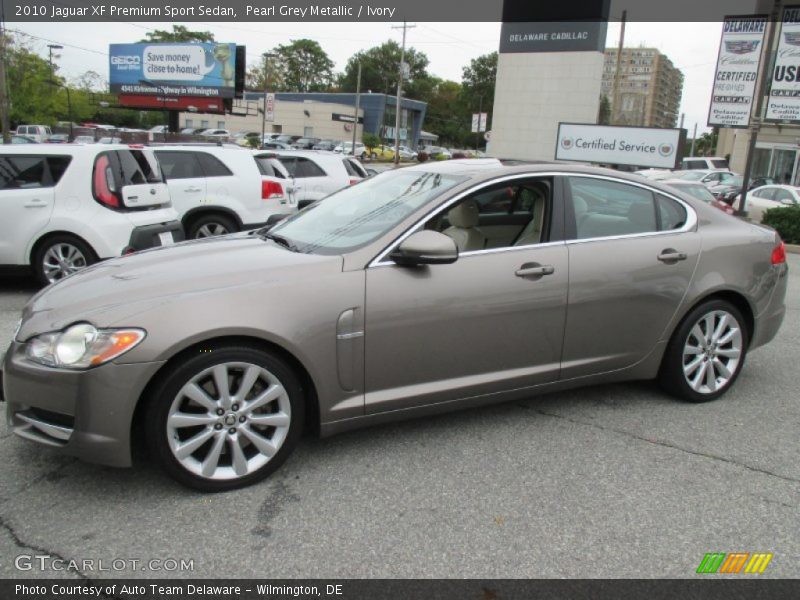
100	182
271	190
352	181
779	254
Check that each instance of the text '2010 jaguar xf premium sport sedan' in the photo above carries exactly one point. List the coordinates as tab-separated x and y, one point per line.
420	290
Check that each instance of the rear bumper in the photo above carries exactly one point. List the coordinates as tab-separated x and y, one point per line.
148	236
86	414
769	321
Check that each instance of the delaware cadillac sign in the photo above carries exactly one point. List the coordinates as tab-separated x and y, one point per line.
783	103
738	62
634	146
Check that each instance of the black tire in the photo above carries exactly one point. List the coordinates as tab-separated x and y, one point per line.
57	243
163	395
363	155
198	227
672	377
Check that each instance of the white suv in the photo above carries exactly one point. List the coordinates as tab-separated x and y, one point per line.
316	173
63	207
223	189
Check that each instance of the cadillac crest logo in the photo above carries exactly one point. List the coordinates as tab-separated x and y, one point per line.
566	143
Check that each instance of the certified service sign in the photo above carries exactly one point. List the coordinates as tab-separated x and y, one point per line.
635	146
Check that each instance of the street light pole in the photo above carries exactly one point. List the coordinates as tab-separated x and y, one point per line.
478	129
399	95
50	48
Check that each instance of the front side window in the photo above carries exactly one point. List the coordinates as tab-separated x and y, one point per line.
24	172
358	215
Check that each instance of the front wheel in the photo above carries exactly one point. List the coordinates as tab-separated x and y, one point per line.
225	418
211	226
706	352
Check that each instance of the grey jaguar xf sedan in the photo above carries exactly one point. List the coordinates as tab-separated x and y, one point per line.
421	290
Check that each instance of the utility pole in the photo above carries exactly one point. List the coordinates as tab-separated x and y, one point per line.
694	140
399	93
774	22
50	48
615	89
480	122
358	102
3	88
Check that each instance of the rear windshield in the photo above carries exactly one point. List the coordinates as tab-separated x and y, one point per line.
354	169
268	167
136	168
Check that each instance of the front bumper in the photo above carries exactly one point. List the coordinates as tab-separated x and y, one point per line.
148	236
86	414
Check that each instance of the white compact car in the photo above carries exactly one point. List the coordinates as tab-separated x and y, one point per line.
761	199
65	206
316	173
223	189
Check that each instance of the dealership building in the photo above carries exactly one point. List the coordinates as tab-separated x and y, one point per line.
321	115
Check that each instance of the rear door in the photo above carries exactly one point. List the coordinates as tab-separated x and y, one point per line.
26	201
632	252
185	179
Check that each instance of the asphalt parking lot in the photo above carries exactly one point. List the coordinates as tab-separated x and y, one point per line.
611	481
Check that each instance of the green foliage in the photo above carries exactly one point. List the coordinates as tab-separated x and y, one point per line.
604	112
786	221
304	66
179	33
478	81
380	69
258	73
370	140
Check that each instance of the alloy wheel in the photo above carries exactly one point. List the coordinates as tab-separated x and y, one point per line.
228	421
62	259
712	351
211	230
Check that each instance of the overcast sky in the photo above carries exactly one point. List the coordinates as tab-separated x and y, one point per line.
692	47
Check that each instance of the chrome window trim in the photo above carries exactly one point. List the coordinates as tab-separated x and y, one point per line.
691	216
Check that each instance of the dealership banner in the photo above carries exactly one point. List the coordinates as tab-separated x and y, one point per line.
735	79
173	69
634	146
783	103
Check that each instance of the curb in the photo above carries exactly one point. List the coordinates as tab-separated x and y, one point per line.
793	248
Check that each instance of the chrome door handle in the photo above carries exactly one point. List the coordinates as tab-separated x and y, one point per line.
36	204
670	255
534	270
192	190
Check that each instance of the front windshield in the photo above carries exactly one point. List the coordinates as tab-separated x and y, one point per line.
357	215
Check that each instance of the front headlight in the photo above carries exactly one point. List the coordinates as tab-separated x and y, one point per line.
81	346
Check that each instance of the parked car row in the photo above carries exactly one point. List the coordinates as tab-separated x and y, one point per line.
66	206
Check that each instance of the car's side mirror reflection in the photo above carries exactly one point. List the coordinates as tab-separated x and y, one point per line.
425	248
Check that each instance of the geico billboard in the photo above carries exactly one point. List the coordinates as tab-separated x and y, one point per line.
636	146
173	69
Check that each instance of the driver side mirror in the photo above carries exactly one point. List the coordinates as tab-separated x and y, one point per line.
425	248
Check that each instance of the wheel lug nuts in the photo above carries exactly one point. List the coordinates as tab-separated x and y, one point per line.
232	430
235	407
242	419
218	426
220	412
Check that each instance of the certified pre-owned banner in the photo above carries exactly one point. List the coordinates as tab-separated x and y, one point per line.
173	69
737	71
784	92
635	146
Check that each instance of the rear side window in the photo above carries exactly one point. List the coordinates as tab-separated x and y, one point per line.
212	166
768	193
135	168
179	165
694	164
354	169
300	167
25	172
671	214
720	163
270	167
607	208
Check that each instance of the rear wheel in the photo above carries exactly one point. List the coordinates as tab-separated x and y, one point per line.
59	256
211	226
706	352
225	418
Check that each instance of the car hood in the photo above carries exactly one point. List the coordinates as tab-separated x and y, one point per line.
111	291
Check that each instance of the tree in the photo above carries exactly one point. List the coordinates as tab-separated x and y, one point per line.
449	116
380	68
32	99
179	33
370	140
256	76
478	82
604	111
303	66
